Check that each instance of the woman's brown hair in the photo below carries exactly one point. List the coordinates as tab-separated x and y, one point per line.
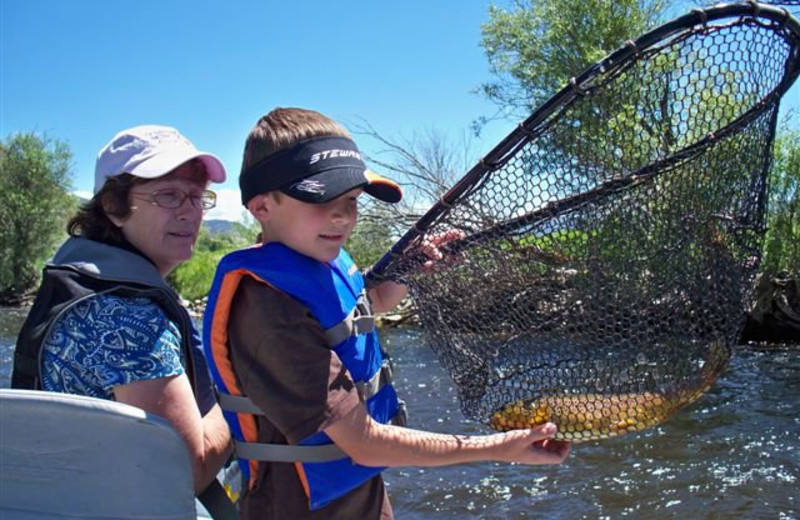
92	220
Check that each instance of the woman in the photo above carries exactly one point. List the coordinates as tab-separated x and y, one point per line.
105	323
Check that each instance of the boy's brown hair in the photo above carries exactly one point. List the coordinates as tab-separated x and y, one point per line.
282	128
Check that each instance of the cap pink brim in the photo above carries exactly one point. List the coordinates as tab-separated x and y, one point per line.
164	163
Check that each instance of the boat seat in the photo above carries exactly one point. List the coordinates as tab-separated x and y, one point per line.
68	456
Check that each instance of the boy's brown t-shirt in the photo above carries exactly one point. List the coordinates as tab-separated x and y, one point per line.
283	364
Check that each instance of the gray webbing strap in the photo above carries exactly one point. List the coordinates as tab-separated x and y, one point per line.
350	326
359	321
238	404
382	377
401	417
287	453
274	452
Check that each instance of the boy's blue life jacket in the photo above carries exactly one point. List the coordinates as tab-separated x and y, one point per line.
335	295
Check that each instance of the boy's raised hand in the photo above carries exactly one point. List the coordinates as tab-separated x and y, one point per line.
431	248
386	295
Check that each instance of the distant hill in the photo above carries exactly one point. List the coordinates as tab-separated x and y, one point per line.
80	198
218	226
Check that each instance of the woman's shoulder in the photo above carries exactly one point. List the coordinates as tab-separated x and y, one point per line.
104	313
115	305
107	340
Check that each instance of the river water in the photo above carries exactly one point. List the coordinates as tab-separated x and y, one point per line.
734	454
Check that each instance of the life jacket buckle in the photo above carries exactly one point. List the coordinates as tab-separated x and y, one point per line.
401	417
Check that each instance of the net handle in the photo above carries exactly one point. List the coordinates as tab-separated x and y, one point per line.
531	127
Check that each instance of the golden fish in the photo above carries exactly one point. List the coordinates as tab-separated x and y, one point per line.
585	417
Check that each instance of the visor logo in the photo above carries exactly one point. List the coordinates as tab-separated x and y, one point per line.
331	154
310	186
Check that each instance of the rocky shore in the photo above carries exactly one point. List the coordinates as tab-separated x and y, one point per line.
774	316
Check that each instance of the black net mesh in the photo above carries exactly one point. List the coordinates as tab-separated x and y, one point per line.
612	240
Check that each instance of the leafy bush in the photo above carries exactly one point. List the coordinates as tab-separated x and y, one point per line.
192	279
782	243
371	238
35	204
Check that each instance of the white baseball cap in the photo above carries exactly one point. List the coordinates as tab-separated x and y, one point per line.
150	151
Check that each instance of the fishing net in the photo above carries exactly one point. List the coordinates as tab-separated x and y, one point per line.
611	240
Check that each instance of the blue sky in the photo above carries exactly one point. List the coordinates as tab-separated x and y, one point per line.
81	70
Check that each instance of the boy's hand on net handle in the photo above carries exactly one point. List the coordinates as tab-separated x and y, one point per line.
432	248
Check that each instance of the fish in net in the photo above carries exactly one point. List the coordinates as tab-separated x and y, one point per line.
610	242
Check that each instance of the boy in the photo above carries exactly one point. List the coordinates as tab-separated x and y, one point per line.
289	326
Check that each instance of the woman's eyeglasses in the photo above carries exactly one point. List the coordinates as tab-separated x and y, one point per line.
173	198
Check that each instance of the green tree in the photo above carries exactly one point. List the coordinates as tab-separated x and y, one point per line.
537	45
372	236
782	243
35	202
533	49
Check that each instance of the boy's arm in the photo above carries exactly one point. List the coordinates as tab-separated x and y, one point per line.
370	443
386	296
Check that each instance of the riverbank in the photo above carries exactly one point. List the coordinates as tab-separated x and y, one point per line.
774	317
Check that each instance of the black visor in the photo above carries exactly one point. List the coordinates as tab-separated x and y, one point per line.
316	170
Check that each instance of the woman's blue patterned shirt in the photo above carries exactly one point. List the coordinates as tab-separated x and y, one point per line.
109	340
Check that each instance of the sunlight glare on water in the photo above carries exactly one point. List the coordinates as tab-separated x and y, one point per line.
733	454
